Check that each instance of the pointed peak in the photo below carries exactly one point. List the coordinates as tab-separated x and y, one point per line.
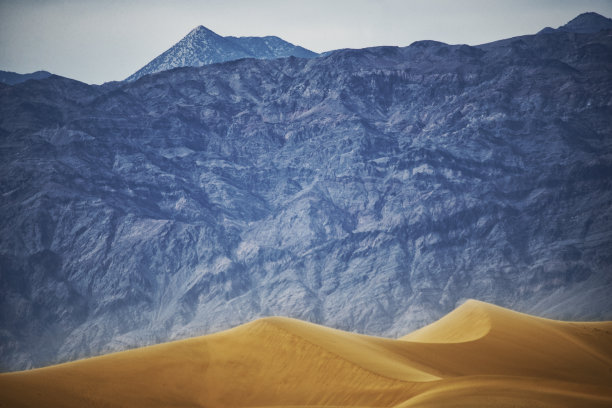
588	23
201	30
588	16
202	46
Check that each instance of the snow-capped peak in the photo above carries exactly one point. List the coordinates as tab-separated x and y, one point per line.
202	46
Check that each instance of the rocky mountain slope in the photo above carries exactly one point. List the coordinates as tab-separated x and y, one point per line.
370	190
203	46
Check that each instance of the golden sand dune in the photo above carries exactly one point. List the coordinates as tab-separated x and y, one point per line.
478	355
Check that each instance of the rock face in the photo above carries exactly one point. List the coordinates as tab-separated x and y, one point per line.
13	78
371	190
203	46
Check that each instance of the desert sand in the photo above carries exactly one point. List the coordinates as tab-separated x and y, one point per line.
477	355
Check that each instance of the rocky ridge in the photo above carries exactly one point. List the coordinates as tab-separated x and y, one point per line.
13	78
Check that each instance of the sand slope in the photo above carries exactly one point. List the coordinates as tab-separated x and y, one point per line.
478	355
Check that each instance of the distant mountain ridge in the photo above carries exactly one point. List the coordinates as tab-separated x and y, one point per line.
13	78
585	23
203	46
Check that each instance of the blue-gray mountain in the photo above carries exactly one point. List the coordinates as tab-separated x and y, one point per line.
203	46
585	23
13	78
369	190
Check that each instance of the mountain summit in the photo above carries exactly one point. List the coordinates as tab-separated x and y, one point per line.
203	46
585	23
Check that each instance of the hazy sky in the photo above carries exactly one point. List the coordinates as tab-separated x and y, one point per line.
102	40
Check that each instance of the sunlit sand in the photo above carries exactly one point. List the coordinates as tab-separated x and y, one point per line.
477	355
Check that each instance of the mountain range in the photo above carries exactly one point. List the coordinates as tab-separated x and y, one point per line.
203	46
370	190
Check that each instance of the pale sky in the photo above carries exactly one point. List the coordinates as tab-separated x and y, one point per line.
96	41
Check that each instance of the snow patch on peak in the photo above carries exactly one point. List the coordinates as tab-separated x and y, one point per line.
203	46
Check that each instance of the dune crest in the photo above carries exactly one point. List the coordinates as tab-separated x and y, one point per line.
477	355
468	322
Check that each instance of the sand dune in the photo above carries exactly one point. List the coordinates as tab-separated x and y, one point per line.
478	355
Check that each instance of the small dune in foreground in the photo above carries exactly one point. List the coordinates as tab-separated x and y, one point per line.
477	355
